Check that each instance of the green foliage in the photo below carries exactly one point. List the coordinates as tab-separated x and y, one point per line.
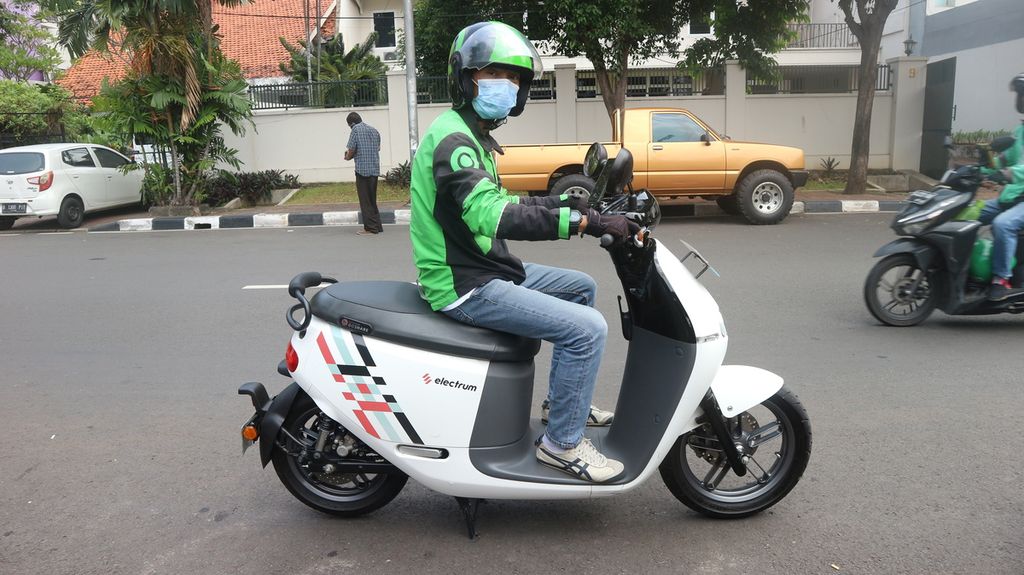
614	34
251	187
25	109
400	175
829	166
152	105
157	187
26	46
978	136
335	63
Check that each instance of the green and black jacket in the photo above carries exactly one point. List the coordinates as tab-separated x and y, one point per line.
461	216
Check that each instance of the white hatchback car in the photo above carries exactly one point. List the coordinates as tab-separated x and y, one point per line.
66	180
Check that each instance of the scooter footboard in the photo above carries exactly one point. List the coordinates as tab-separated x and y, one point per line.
737	388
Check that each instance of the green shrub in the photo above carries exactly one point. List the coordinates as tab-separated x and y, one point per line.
157	187
400	175
251	187
978	136
829	165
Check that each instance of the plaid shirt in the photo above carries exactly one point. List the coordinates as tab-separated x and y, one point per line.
365	142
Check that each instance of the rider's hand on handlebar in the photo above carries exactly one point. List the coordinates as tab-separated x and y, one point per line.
617	226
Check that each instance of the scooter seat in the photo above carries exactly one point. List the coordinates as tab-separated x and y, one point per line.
394	311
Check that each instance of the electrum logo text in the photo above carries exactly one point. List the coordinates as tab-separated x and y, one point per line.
456	384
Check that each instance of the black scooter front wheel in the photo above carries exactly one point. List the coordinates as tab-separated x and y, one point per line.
333	492
775	440
899	293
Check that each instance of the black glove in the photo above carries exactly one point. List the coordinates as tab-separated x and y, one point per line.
618	226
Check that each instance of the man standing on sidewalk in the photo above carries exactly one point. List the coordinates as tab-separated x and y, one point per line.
364	146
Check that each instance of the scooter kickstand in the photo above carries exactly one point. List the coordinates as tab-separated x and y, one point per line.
469	507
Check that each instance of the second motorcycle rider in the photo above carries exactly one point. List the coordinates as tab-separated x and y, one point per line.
461	217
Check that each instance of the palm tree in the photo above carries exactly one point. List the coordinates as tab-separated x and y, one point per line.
335	64
156	36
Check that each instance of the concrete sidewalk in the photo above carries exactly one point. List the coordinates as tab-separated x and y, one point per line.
295	215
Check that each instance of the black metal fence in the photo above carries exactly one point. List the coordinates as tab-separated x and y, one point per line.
822	36
656	82
816	80
340	94
640	83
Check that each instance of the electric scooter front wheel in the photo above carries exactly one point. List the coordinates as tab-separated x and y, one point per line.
899	293
307	463
774	438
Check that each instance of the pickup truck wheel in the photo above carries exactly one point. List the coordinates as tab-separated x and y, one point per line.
765	197
573	184
728	204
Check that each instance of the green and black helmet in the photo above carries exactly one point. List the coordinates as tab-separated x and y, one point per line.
491	44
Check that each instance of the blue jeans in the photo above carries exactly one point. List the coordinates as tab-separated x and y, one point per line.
1005	225
555	305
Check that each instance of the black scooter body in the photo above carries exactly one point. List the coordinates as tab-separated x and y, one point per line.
944	246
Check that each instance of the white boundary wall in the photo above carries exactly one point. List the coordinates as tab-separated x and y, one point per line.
310	143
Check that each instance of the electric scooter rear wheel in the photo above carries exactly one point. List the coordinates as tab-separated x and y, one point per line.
887	291
775	439
333	492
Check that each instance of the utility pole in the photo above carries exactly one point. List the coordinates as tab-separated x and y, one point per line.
309	41
410	79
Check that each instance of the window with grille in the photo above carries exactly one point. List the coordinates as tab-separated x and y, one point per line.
384	26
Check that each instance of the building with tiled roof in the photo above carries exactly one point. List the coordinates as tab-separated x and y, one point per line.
249	35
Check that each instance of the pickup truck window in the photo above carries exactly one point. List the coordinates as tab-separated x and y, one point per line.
675	128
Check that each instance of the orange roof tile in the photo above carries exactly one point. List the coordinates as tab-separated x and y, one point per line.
249	35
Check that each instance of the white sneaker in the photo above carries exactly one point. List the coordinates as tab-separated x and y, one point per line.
597	417
583	461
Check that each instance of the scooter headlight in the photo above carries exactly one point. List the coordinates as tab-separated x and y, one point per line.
919	222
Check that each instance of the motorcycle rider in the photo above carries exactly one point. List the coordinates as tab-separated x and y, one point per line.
461	218
1006	213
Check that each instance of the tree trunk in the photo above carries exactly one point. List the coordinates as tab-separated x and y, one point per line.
867	77
613	90
175	169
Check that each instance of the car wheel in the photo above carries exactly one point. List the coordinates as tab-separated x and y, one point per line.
6	223
765	197
573	184
71	213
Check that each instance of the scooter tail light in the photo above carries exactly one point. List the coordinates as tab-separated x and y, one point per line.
44	180
291	358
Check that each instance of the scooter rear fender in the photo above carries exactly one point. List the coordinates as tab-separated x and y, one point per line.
922	252
273	419
738	388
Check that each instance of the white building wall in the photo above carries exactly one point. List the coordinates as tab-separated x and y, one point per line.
982	96
821	124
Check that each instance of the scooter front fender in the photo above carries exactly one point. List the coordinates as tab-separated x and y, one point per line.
273	419
737	388
922	252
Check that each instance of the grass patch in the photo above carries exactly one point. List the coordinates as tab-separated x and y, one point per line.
345	193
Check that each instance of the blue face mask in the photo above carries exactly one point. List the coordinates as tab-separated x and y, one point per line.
495	98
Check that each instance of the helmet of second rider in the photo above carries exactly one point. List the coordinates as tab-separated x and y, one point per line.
485	44
1017	85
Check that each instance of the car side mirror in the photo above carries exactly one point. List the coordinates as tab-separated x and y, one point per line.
705	138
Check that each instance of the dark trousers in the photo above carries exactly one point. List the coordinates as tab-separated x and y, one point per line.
366	187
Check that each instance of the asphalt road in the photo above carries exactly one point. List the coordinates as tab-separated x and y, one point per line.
122	354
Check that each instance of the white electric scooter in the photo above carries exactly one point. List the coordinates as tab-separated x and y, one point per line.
386	389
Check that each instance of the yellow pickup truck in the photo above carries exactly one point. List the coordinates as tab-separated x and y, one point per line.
674	154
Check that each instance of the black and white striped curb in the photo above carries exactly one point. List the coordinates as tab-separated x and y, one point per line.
352	218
